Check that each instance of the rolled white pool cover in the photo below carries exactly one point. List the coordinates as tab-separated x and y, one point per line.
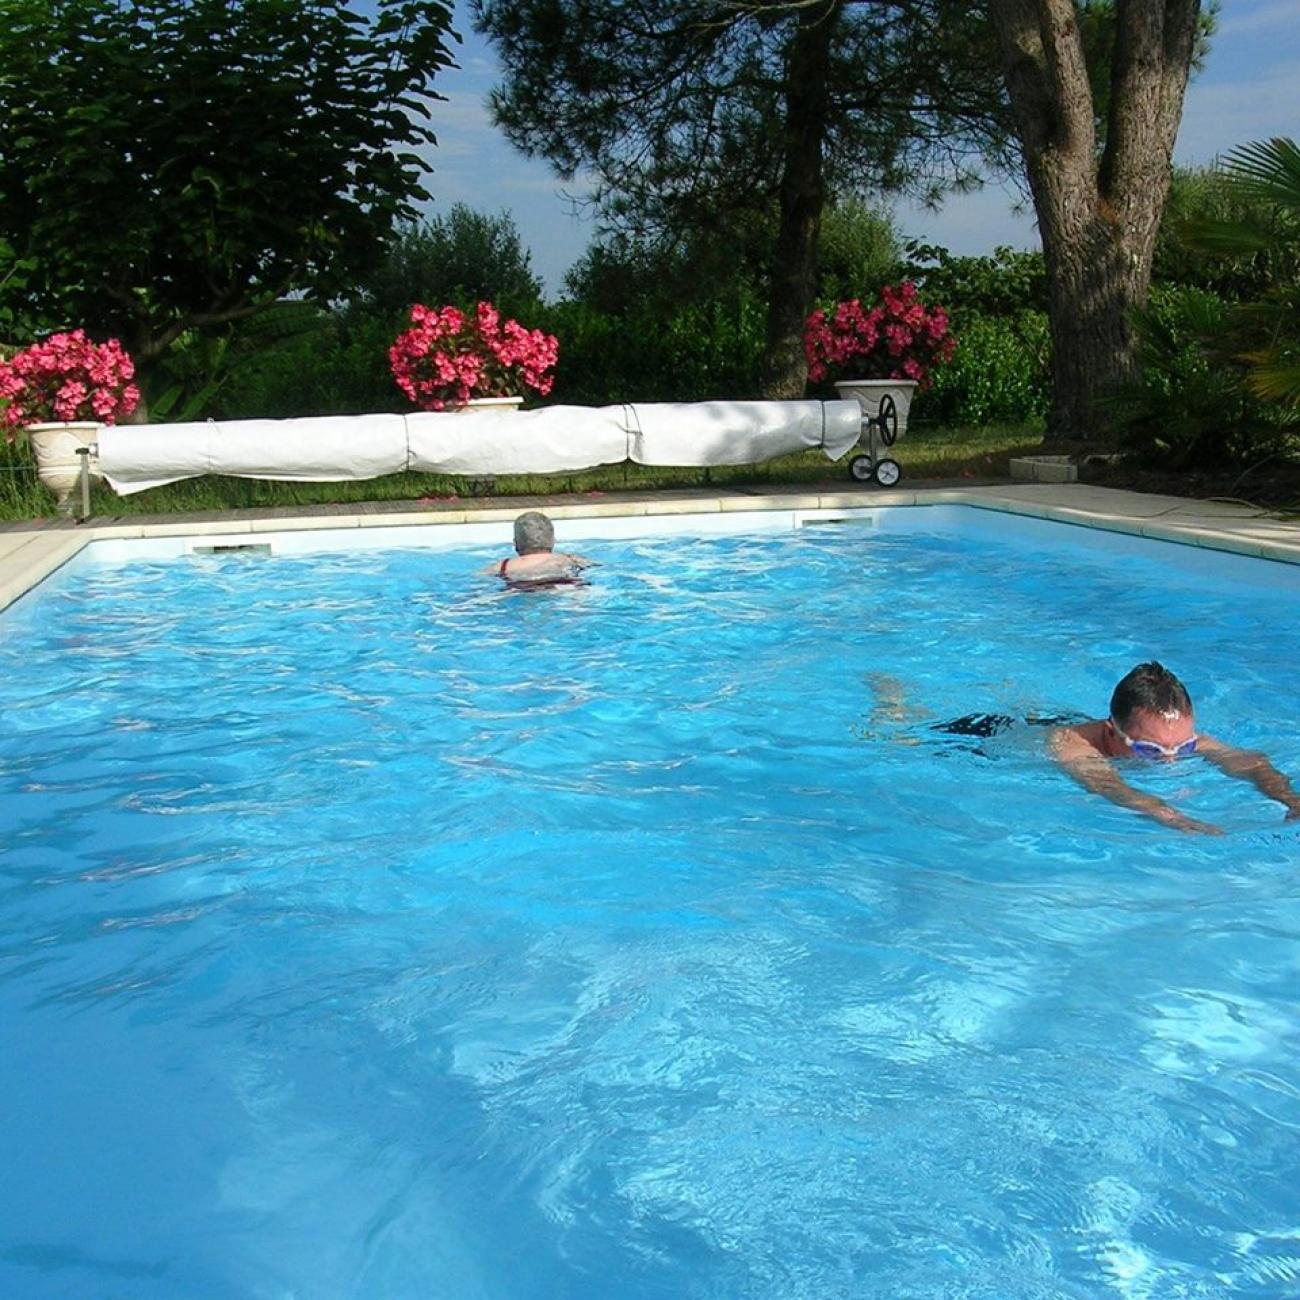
552	439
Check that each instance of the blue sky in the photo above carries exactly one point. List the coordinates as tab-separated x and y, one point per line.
1250	89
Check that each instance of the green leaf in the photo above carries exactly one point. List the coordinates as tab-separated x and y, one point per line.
1268	169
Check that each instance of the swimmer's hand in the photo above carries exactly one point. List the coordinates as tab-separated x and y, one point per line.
1180	822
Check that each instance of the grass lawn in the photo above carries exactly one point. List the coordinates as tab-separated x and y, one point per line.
923	453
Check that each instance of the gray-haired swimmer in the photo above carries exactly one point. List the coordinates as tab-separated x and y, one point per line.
536	563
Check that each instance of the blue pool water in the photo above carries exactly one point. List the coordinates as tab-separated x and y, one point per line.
367	931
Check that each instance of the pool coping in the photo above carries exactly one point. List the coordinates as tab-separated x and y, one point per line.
28	555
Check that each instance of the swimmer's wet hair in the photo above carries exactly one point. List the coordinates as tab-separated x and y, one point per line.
1150	688
534	533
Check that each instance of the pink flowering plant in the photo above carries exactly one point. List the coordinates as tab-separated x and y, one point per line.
449	357
66	377
899	338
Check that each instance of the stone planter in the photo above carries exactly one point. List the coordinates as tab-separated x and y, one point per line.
868	393
57	461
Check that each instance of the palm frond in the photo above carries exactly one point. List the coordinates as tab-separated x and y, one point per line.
1274	379
1225	238
1268	170
286	318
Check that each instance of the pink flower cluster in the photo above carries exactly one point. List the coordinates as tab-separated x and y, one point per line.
446	357
899	338
67	377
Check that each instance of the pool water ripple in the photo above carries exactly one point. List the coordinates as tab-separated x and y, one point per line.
372	931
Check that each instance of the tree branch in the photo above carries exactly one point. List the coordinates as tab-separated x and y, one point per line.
1046	75
156	344
1153	53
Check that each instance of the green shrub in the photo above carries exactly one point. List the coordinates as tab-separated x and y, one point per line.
459	258
1004	284
716	350
1189	408
858	252
1201	195
594	354
1262	332
696	352
340	370
1000	373
188	380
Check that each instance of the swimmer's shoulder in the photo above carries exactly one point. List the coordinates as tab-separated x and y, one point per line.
1078	740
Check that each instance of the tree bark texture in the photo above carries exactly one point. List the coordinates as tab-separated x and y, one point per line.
1098	209
802	197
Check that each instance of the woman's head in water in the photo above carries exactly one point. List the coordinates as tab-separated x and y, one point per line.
534	533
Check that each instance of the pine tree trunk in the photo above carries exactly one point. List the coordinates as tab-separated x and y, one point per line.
145	354
802	196
1098	213
1098	268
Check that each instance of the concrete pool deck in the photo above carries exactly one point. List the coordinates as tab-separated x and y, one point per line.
30	552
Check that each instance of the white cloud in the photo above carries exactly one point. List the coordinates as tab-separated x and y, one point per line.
464	112
1220	115
1261	17
970	223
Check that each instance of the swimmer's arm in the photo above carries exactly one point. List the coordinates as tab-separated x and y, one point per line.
890	703
1250	765
581	562
1097	774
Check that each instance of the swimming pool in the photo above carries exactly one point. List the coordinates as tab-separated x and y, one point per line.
369	931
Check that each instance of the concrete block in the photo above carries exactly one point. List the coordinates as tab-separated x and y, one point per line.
1044	469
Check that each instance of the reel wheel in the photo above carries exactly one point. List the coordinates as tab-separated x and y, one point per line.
888	472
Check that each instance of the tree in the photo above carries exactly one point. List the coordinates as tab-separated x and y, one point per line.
859	252
16	324
1002	284
687	112
1098	179
462	257
172	165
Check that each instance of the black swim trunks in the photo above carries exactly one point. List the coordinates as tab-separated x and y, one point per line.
994	724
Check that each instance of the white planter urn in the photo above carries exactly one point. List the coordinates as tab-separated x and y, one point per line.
869	392
57	461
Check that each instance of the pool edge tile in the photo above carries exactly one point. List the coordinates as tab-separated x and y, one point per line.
37	562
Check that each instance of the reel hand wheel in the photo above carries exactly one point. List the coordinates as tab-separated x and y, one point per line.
887	420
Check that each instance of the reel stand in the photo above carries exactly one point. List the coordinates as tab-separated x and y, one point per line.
870	467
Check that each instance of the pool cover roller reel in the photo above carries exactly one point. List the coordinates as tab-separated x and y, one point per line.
477	444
